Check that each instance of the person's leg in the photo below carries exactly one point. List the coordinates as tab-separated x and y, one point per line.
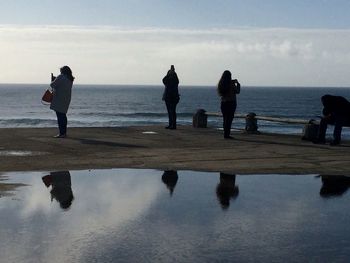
229	122
224	117
168	108
231	108
227	118
338	125
173	113
59	121
62	122
171	108
321	138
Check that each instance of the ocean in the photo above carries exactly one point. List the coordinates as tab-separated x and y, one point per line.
127	105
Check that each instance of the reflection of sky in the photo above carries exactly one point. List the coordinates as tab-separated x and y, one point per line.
101	205
128	216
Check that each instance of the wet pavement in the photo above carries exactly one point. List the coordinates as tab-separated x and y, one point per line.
153	147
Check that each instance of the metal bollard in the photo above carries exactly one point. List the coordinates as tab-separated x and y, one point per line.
251	123
310	131
200	119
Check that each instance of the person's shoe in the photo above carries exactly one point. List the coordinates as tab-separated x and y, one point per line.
60	136
167	127
228	137
319	141
172	128
334	143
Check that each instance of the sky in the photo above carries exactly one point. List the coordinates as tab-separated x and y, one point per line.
263	43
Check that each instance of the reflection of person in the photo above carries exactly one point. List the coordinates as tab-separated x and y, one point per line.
227	90
170	178
62	90
334	185
61	187
171	96
336	112
226	189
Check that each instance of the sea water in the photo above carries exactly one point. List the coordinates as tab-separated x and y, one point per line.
121	105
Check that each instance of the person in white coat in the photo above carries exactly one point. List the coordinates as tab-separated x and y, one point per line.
62	93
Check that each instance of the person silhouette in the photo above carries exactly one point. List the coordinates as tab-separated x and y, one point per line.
334	185
61	189
62	93
226	189
227	90
170	178
336	111
171	96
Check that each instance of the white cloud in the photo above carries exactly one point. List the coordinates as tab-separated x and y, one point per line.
112	204
113	55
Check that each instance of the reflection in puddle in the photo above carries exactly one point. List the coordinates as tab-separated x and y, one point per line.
125	215
61	189
226	189
334	185
170	178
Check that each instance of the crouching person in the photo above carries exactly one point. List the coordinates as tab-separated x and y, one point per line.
336	111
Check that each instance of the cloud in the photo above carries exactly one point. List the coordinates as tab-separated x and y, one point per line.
109	206
113	55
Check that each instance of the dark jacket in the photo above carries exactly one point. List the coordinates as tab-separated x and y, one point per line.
171	91
335	105
230	94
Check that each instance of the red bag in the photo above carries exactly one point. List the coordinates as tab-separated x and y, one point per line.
47	179
47	97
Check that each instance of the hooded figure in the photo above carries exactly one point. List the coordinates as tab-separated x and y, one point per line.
171	96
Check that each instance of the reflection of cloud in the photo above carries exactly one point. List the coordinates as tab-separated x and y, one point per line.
112	54
102	205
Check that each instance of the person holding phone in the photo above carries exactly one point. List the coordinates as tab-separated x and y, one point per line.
171	96
227	90
62	93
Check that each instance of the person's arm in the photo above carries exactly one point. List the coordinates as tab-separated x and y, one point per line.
177	79
165	80
237	86
327	114
56	82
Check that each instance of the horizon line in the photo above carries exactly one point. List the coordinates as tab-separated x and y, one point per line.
186	85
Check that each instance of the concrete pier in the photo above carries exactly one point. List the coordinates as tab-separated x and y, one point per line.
187	148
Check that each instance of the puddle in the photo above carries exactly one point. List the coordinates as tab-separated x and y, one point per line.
149	132
19	153
128	215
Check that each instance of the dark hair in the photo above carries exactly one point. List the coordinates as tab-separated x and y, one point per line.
224	83
65	70
326	98
65	205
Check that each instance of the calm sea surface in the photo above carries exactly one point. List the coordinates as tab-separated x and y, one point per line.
126	215
96	105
